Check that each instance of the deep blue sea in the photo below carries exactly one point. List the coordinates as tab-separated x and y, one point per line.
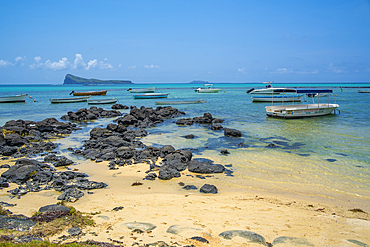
325	157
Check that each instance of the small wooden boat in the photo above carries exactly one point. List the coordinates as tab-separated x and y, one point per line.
13	98
101	101
363	91
303	110
70	100
151	95
208	88
102	92
179	102
142	90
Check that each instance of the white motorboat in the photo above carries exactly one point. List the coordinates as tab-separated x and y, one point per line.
13	98
151	95
142	90
70	100
303	110
101	101
208	88
267	90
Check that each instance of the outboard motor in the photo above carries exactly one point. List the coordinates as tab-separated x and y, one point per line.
250	90
71	92
129	89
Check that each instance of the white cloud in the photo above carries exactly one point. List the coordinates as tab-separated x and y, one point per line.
60	65
241	70
92	64
105	64
64	64
4	63
37	64
335	69
282	71
19	61
132	67
79	62
151	66
305	72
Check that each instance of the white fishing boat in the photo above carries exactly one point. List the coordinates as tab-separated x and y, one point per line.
208	88
171	102
142	90
267	90
151	95
13	98
101	101
303	110
70	100
277	98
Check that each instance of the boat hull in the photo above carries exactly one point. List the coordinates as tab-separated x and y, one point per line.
142	90
151	96
205	90
13	99
69	100
101	101
179	102
277	98
300	111
103	92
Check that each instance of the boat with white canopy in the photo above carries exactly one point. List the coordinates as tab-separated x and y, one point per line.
320	108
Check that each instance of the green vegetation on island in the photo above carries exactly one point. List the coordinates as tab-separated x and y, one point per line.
71	79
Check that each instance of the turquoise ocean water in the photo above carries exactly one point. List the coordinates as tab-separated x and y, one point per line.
324	157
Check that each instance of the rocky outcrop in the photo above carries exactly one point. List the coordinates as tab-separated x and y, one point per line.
71	79
206	119
27	138
34	176
90	114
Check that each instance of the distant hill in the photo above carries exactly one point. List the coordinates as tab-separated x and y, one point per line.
71	79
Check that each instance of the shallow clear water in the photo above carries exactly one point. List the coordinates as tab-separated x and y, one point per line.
326	157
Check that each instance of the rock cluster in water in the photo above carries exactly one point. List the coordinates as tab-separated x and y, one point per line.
93	113
27	138
35	176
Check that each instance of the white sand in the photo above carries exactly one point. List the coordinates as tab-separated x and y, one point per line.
165	203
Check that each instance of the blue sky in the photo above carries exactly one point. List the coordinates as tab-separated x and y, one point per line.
180	41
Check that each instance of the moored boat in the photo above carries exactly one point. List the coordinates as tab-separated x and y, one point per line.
102	92
13	98
277	98
267	90
303	110
363	91
208	88
151	95
101	101
70	100
142	90
171	102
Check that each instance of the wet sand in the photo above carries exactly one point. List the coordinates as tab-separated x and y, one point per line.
165	204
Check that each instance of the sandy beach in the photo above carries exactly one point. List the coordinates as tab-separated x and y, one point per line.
179	214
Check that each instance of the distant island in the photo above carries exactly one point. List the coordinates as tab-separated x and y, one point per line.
71	79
